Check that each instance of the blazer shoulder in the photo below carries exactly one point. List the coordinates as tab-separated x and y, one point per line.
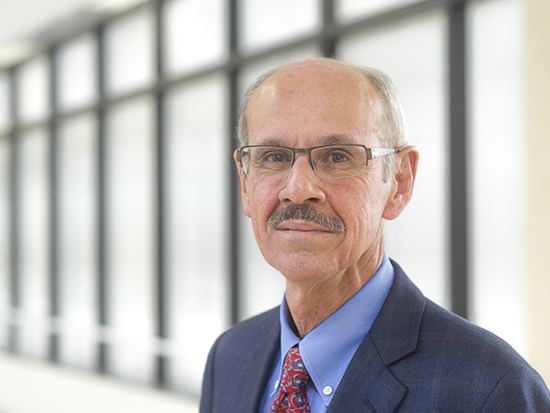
468	354
440	326
439	331
442	358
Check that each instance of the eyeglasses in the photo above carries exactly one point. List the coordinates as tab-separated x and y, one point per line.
331	161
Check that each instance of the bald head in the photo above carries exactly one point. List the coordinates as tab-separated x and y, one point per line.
319	88
326	76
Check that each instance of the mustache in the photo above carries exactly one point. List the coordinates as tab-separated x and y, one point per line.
306	212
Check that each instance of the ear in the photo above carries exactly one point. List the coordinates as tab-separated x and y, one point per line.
245	202
402	182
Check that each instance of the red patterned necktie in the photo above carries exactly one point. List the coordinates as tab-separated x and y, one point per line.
292	397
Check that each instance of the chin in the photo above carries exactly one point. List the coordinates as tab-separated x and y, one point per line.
297	267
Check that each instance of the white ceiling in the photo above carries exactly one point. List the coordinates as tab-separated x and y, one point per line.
21	19
22	22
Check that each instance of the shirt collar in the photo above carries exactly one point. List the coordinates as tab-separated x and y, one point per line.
328	349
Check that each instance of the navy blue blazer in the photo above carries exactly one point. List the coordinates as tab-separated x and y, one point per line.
417	357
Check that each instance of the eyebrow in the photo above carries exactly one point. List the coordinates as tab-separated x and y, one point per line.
336	140
271	142
327	140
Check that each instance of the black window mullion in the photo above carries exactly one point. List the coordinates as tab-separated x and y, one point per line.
102	247
53	287
328	36
458	208
15	285
162	362
235	311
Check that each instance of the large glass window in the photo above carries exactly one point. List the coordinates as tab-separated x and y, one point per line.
498	182
129	49
418	239
5	226
76	74
195	34
33	206
197	158
85	242
271	22
33	90
350	10
4	242
131	236
4	101
77	239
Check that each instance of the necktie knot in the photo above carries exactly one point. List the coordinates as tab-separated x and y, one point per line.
292	395
295	375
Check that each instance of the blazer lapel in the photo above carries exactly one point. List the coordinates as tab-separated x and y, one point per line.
368	384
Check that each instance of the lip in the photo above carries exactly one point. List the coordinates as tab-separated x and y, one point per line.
301	227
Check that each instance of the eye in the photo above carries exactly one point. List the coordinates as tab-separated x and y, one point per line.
338	157
275	157
333	156
271	159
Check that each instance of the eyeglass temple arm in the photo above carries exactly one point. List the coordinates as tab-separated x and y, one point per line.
373	153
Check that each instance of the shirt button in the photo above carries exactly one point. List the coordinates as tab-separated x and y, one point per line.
327	390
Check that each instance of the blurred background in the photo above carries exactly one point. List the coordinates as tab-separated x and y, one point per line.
123	249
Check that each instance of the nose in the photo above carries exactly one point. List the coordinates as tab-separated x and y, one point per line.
302	183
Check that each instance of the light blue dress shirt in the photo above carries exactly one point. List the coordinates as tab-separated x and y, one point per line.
328	349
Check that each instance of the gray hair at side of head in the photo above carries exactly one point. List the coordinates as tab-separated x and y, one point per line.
391	129
242	126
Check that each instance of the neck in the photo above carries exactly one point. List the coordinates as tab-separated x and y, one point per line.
311	304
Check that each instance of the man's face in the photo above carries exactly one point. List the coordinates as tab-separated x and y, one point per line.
303	107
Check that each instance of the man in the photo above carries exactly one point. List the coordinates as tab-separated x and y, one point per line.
324	160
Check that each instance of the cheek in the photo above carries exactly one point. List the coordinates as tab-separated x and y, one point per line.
361	211
359	219
263	201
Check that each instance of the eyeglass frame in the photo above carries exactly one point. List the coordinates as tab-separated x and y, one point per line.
372	153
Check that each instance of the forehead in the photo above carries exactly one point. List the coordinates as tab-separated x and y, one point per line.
315	103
